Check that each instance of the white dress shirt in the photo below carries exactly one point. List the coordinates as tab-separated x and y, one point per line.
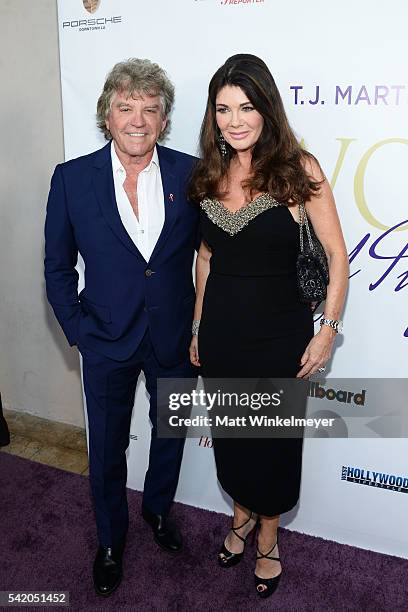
146	230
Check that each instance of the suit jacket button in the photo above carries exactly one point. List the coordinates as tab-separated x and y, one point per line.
149	272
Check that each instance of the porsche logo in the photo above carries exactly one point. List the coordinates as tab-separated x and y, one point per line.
91	5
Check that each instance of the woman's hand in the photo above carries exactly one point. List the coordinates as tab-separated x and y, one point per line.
194	357
317	352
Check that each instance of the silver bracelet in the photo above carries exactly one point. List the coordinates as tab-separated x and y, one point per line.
335	324
195	327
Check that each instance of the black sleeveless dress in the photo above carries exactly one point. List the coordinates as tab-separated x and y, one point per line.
254	325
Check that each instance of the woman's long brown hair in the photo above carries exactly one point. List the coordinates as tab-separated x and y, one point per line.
277	158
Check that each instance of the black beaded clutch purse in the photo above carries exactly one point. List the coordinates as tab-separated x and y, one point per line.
312	266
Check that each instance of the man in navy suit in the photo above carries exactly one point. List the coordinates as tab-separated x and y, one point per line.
124	208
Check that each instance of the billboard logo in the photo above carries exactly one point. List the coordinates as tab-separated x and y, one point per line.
91	5
320	392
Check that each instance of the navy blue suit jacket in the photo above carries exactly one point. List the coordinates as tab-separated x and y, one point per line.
123	294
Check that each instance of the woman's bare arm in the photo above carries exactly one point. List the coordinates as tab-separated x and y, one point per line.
321	210
202	271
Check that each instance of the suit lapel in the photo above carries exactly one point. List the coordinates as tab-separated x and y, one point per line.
105	192
171	193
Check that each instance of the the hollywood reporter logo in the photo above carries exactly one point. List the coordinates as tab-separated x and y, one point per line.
371	478
205	442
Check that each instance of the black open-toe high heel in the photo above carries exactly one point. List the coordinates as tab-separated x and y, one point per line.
229	559
271	584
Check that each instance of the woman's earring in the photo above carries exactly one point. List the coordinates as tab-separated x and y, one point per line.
222	144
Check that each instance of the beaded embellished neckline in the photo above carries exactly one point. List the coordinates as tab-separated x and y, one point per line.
233	222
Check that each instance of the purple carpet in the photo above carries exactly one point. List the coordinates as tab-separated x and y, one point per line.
48	543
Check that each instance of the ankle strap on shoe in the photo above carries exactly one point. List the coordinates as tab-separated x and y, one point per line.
266	555
235	529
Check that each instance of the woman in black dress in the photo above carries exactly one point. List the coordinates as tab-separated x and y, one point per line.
249	320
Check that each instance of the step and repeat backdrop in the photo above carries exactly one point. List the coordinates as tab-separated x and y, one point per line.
341	70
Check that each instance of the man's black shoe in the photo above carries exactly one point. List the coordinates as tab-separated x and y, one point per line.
166	534
107	569
4	430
